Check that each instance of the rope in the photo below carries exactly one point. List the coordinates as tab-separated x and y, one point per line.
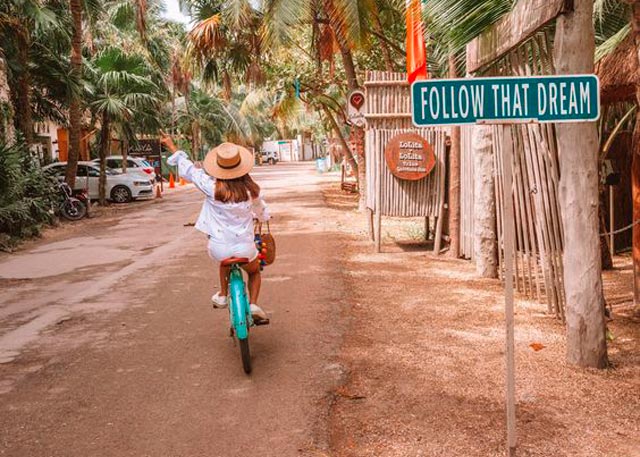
615	232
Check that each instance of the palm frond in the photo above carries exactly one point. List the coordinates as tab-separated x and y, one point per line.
611	43
281	17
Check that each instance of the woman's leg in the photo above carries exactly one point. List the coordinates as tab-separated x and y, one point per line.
224	280
253	270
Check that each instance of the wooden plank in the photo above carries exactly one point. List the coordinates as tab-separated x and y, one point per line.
386	83
526	18
387	115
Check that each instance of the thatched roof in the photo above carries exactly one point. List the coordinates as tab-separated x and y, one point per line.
619	73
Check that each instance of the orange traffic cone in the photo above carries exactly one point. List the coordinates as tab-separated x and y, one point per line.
182	182
158	193
172	181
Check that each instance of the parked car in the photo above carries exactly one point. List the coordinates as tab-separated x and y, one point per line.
270	157
120	187
134	165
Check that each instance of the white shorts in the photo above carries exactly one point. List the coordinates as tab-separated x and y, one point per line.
221	251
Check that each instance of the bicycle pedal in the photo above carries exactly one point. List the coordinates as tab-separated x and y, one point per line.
262	322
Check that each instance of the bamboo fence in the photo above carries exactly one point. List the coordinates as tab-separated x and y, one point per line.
388	107
538	272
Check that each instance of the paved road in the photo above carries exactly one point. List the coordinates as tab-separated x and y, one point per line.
108	345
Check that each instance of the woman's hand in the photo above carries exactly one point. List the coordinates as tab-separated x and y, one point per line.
167	141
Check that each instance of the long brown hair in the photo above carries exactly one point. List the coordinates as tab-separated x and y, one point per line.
236	190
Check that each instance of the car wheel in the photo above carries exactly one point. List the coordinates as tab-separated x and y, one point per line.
272	161
121	194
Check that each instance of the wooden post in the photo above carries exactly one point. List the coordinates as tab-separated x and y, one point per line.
454	177
378	209
437	242
508	236
372	233
612	223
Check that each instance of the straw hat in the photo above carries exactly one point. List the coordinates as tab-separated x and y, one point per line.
228	161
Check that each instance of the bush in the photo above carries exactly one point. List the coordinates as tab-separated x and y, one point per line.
28	195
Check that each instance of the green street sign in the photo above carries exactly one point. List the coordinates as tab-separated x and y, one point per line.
574	98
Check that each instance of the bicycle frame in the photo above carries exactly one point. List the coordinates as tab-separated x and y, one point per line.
239	312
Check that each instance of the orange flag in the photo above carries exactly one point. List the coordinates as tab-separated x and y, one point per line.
416	50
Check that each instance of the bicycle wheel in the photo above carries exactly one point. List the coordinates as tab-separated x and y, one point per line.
246	355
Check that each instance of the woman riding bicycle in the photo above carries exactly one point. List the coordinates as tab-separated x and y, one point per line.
232	203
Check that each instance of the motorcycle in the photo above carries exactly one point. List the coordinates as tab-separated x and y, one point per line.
72	208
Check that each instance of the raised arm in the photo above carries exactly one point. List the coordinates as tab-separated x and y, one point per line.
260	210
187	169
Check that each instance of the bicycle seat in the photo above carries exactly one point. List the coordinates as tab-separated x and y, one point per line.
234	261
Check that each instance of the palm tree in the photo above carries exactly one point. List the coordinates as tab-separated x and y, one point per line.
578	147
6	112
75	108
225	42
123	91
20	21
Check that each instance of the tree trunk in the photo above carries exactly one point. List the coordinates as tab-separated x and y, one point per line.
454	179
352	83
7	132
485	239
635	168
578	194
343	142
125	154
347	61
105	143
75	109
22	94
635	193
195	140
384	46
358	137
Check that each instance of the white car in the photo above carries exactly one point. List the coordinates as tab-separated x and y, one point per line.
120	187
270	157
134	165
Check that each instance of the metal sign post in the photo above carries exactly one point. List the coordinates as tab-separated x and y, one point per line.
508	237
506	101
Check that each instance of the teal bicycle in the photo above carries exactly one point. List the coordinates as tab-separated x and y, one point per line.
239	312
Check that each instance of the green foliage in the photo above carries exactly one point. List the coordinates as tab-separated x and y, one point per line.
27	195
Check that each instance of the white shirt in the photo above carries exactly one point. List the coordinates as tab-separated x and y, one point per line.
226	223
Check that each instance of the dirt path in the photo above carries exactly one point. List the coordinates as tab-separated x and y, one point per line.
425	359
110	347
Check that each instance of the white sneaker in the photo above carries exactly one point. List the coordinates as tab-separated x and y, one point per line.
219	301
258	313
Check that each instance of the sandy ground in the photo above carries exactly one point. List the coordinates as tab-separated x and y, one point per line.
109	346
426	362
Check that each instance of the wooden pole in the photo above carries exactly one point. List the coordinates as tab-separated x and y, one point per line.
437	242
454	178
612	223
508	236
372	233
378	208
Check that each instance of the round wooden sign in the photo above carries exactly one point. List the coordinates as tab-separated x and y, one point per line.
409	156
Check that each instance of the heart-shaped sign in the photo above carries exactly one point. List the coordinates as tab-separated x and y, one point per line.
357	100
